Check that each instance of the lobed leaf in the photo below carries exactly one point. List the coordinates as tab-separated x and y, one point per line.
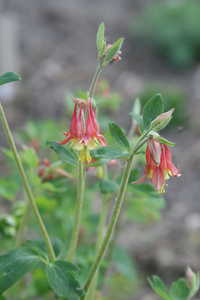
65	154
61	278
153	108
179	290
15	264
119	136
159	287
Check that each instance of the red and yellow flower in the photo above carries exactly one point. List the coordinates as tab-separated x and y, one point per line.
84	132
159	166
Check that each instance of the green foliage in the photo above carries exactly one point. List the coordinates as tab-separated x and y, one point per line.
118	134
9	187
172	27
152	108
14	265
61	277
112	51
65	154
100	40
174	98
9	77
108	153
159	287
181	289
146	204
36	134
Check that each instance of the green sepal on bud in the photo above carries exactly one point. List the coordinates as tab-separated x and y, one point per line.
107	53
162	140
193	281
162	120
112	52
100	40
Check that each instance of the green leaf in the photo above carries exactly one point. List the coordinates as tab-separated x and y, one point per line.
66	155
159	287
15	264
9	77
179	290
108	186
153	108
100	40
119	136
112	51
61	277
108	153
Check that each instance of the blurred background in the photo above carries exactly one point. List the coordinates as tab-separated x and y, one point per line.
52	45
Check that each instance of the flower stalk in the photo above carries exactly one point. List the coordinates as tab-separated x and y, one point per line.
115	215
101	232
78	214
94	81
26	184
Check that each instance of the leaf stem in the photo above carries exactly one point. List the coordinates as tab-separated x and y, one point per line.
26	184
115	215
78	213
94	81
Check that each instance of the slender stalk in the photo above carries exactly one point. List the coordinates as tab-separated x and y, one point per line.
116	212
94	81
101	232
78	213
26	184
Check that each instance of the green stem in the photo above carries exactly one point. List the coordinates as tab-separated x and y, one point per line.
101	231
78	214
116	212
94	81
26	184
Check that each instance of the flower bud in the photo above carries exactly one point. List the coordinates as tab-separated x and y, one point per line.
162	120
190	277
155	150
193	281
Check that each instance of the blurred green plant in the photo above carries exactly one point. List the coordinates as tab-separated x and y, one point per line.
172	27
181	289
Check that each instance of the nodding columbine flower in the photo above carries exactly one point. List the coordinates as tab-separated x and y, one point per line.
159	166
84	133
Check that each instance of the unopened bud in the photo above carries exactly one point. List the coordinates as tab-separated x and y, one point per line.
162	120
117	57
155	150
190	277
